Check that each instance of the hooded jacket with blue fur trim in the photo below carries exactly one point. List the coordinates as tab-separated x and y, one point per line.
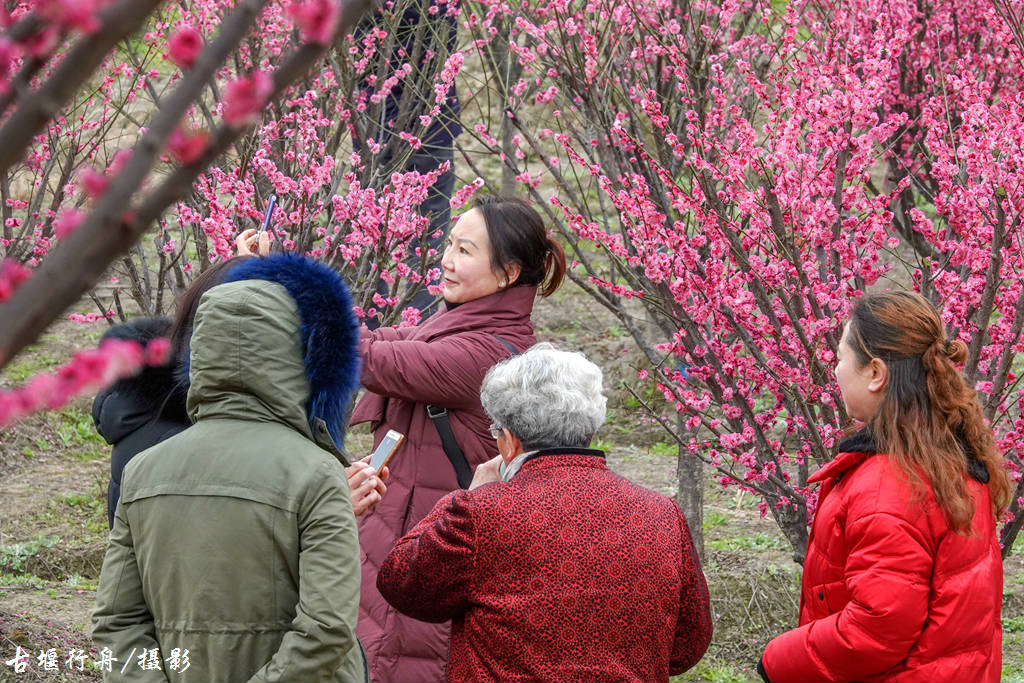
236	539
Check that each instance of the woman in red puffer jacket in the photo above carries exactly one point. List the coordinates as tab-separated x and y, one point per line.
903	578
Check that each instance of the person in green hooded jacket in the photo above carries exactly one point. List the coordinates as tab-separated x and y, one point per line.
234	554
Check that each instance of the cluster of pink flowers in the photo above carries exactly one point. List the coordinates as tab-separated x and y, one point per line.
188	147
465	193
86	372
741	199
184	46
12	274
245	97
88	318
342	210
316	19
743	196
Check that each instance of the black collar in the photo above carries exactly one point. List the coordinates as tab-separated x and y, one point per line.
864	442
564	450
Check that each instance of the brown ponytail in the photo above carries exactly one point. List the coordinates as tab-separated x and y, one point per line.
928	417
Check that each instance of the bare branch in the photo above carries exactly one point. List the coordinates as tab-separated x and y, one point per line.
72	268
116	21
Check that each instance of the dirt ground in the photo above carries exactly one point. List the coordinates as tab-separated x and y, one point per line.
53	527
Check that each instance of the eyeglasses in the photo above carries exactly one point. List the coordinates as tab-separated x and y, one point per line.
495	431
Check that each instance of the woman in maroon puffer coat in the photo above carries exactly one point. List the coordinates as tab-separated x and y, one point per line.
498	256
903	579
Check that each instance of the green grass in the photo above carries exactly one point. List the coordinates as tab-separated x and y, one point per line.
665	449
13	556
75	582
29	363
713	519
1013	671
1013	624
20	581
90	505
713	671
84	509
81	583
759	541
90	454
75	429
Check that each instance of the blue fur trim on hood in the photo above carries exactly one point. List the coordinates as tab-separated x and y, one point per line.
330	333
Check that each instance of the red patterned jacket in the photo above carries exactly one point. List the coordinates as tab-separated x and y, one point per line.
568	572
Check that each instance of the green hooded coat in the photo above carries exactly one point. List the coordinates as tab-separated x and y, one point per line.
235	540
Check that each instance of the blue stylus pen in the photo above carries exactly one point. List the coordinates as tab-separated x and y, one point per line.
269	211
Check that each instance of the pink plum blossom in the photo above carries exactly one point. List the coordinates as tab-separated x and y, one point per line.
184	46
12	274
93	182
86	371
245	98
189	147
315	19
66	222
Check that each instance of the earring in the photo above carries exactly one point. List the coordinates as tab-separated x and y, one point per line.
501	284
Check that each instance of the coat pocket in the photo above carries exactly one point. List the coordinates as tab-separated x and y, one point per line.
830	598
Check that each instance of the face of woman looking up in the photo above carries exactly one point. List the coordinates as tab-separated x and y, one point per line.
466	263
862	388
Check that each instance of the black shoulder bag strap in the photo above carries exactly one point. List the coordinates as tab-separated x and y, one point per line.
439	416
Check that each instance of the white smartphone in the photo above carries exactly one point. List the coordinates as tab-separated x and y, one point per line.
386	449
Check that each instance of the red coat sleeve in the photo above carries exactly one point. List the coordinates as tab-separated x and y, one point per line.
386	333
446	371
429	574
693	626
887	582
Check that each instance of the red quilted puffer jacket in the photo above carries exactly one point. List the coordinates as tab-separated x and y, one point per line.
889	591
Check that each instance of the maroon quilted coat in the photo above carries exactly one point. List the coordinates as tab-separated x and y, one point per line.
440	362
890	593
568	572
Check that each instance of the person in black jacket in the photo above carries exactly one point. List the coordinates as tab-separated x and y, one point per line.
140	411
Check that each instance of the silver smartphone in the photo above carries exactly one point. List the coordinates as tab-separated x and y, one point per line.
386	449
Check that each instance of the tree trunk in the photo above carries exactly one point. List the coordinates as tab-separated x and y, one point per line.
793	524
1013	527
690	492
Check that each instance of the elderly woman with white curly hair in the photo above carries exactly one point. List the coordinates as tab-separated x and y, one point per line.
550	566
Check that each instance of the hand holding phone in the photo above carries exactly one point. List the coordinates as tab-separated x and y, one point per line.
386	449
365	486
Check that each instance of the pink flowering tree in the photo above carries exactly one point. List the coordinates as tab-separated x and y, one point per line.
732	175
90	205
728	176
334	148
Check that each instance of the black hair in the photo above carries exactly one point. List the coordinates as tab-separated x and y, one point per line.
188	303
517	235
